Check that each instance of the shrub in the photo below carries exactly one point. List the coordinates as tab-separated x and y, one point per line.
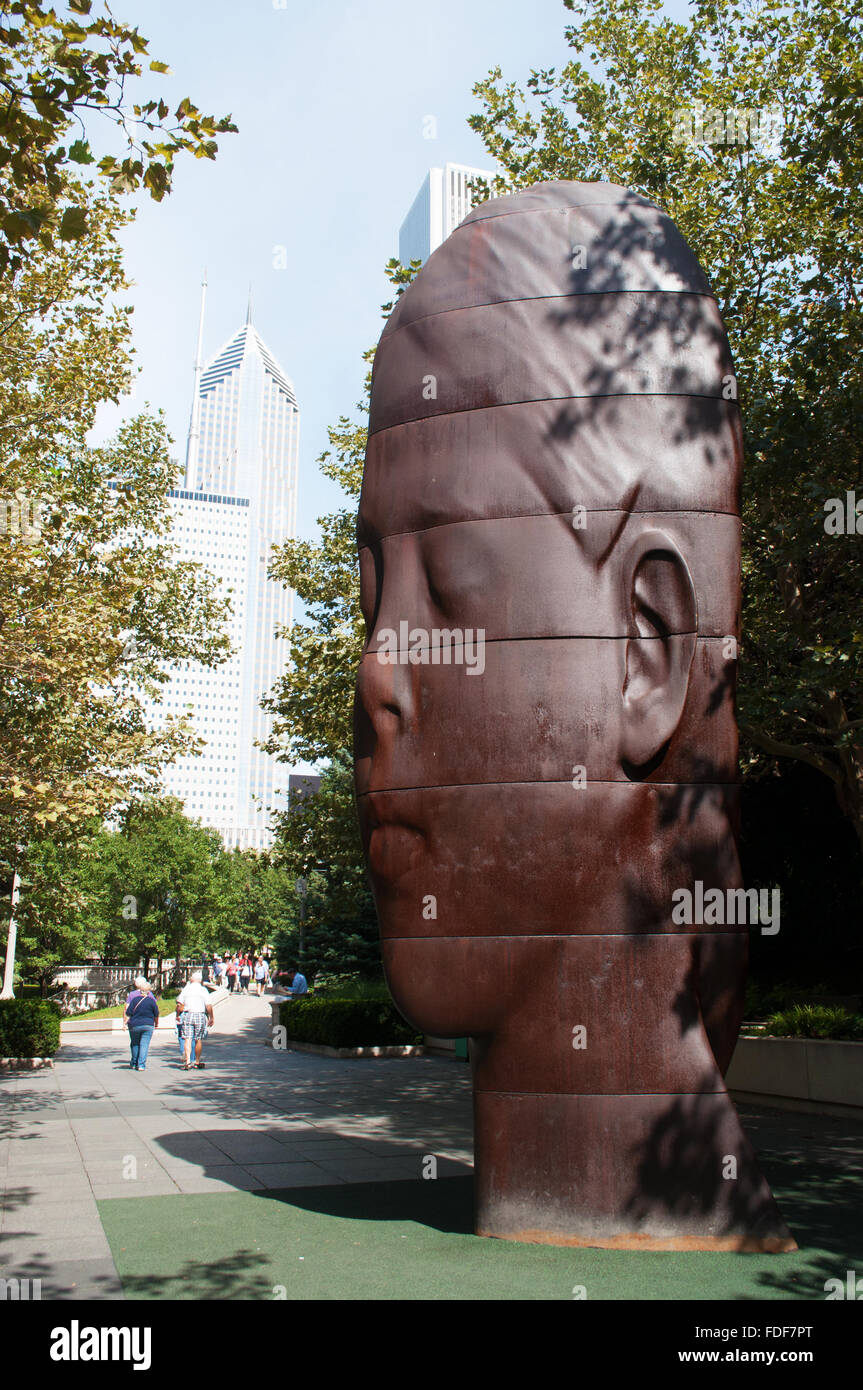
814	1021
351	987
29	1027
346	1023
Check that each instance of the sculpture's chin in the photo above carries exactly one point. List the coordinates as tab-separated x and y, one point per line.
436	993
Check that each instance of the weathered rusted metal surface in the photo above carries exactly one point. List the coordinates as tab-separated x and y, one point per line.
466	563
584	248
612	843
639	1172
546	457
537	709
546	750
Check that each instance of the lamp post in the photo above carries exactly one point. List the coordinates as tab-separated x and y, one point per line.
302	888
8	991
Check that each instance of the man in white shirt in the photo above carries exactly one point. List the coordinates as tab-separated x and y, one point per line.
195	1013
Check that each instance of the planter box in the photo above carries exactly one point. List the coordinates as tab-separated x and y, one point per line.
454	1049
115	1025
320	1050
25	1063
91	1025
814	1074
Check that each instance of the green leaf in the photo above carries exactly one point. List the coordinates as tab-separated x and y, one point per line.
73	224
80	152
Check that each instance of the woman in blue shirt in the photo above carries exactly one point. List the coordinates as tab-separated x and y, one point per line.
141	1016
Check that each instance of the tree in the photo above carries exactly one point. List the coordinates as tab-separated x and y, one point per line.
164	892
54	70
90	612
744	124
318	840
93	602
258	900
312	708
312	703
63	915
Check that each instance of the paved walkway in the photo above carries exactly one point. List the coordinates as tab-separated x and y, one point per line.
254	1119
156	1174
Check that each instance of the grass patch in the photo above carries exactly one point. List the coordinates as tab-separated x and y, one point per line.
166	1006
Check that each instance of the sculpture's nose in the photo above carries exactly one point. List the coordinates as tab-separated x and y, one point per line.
387	698
384	712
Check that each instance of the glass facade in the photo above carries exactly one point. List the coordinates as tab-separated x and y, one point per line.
239	499
443	201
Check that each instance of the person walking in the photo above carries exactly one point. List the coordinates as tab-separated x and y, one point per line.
196	1015
231	971
245	973
261	975
141	1017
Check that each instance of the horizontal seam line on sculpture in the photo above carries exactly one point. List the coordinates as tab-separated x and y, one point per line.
591	781
554	516
632	200
591	1095
572	936
538	299
548	637
733	404
542	400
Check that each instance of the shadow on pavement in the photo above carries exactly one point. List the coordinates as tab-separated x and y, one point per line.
443	1205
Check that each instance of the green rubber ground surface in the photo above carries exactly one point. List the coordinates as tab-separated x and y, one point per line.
413	1240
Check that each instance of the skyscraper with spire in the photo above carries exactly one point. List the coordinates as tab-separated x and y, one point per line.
239	498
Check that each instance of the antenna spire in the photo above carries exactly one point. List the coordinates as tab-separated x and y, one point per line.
195	414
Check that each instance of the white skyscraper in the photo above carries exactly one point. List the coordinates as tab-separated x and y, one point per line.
443	201
239	499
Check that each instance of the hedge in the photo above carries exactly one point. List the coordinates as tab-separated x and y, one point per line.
29	1027
346	1023
815	1021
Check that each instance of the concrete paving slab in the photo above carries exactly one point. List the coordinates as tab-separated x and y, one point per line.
287	1129
248	1148
82	1280
365	1169
23	1252
57	1166
187	1145
91	1109
326	1148
164	1186
289	1175
78	1216
230	1178
47	1189
144	1165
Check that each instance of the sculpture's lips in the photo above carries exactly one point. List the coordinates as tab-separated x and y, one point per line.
394	850
393	844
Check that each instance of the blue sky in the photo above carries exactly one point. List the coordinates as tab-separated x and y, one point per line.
330	101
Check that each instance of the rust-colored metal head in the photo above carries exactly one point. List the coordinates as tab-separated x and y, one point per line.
546	751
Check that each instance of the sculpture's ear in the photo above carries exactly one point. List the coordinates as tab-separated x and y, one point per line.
661	600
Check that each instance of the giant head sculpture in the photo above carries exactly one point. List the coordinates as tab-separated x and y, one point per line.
546	750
